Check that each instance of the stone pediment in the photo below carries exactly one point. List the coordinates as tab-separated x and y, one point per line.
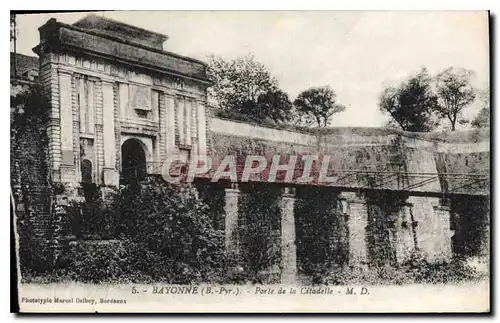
121	30
57	37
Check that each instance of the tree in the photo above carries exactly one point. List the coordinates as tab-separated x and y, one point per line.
317	105
13	41
411	104
455	93
482	119
273	104
245	86
12	27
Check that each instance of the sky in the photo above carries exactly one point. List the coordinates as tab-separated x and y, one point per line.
357	53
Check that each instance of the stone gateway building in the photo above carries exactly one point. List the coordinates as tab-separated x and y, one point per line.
120	105
118	100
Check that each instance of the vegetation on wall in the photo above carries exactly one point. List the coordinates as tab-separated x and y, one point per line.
383	208
415	270
321	232
95	218
30	186
260	232
470	219
173	222
238	116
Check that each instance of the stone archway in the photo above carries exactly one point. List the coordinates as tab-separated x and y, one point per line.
133	161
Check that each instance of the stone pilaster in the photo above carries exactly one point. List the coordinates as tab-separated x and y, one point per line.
202	128
68	174
180	120
444	233
187	121
49	80
117	115
288	236
231	220
405	241
431	223
110	173
99	153
162	119
194	121
170	124
356	214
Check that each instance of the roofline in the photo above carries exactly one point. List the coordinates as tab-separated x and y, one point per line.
324	132
163	36
123	41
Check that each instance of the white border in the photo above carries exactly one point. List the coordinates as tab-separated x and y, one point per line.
208	5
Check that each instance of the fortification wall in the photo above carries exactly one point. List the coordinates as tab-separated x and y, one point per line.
366	157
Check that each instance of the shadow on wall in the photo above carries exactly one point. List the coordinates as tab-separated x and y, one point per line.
471	222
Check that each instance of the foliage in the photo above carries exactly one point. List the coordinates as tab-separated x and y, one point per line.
482	119
412	103
171	221
28	104
95	263
58	188
274	105
238	81
30	276
233	115
96	218
455	93
268	123
317	105
13	31
416	270
105	261
245	86
158	232
29	142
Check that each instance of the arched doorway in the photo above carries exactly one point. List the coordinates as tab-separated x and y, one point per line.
87	183
133	161
86	169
